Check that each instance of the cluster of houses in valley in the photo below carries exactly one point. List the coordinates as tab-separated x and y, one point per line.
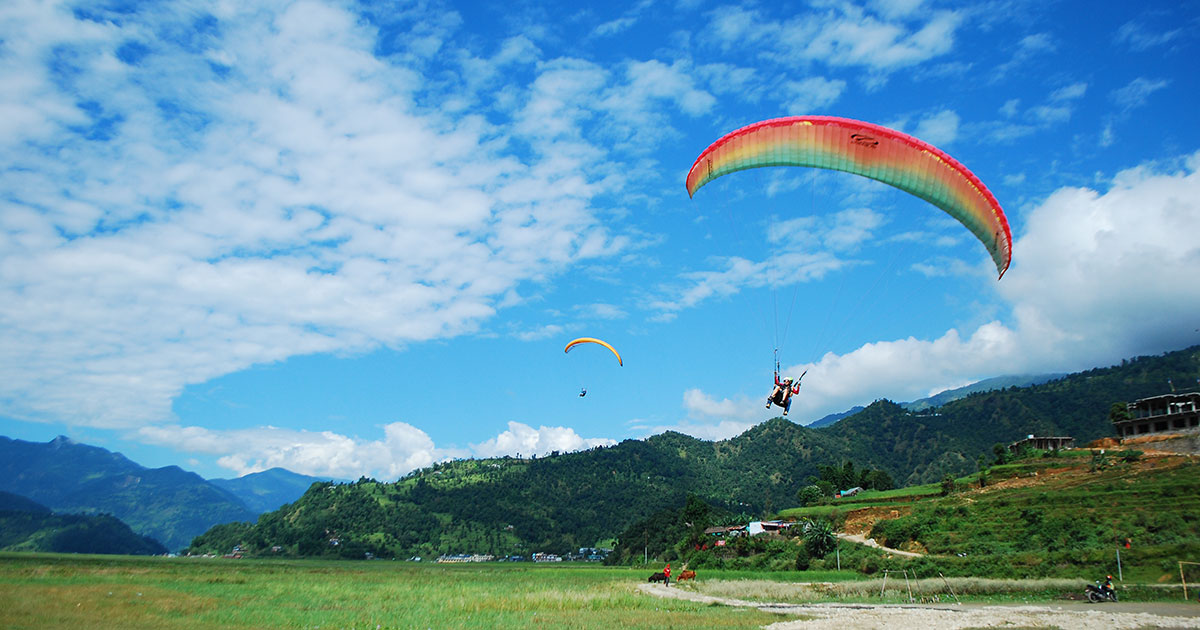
753	528
585	554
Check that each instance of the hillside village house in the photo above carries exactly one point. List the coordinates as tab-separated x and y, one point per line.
1161	414
1042	443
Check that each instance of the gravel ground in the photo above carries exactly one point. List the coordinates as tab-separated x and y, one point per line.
1066	615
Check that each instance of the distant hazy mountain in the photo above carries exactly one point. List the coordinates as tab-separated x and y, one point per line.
169	504
986	385
10	502
834	417
26	525
939	399
270	489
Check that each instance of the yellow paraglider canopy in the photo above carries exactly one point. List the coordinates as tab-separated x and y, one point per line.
593	340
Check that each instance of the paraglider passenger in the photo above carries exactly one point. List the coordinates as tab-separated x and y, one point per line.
783	392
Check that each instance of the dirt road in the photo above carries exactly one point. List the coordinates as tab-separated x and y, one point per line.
1067	615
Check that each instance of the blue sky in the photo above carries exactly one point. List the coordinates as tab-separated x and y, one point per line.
353	238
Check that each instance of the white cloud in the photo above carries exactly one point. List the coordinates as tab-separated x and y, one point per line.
601	311
1069	92
1141	37
710	419
1096	277
614	27
1110	273
896	35
938	129
650	84
704	430
855	38
525	440
543	332
1137	92
697	404
1030	47
807	248
810	95
404	448
1057	108
897	8
290	203
1010	107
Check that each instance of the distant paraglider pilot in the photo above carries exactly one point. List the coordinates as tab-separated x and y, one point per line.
783	392
582	392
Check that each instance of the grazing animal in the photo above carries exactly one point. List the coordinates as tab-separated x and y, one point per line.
658	577
686	574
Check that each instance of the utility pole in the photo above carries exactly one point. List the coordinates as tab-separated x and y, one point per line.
1116	540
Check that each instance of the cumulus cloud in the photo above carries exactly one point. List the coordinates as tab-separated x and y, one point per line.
326	453
402	449
700	405
707	418
525	440
1097	276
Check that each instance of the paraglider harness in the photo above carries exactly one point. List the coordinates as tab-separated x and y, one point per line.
781	398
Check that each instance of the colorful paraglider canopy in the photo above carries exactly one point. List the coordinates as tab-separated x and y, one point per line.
591	340
869	150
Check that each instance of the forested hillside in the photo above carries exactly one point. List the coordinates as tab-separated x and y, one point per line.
29	526
563	502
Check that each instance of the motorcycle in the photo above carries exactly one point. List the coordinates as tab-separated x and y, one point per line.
1097	593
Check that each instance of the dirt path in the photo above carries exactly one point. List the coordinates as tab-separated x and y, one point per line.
870	542
1123	616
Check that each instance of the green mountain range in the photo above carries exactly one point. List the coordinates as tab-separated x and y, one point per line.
29	526
949	395
564	502
168	504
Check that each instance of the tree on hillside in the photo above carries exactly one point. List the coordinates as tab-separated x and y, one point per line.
1119	412
1001	453
808	495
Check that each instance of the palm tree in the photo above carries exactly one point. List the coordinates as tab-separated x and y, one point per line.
819	537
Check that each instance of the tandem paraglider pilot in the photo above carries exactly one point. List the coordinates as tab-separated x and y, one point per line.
783	392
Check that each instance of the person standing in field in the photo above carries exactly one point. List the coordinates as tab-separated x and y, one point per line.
667	575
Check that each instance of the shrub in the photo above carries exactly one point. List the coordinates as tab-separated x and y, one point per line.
803	559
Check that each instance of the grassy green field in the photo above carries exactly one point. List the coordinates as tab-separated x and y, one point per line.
81	592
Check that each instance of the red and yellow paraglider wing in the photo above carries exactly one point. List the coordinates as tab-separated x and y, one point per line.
882	154
597	341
